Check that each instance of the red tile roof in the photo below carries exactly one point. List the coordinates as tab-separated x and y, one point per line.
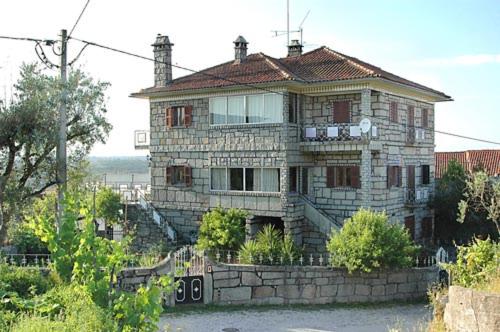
319	65
471	159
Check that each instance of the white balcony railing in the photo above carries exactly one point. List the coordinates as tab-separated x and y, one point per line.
416	195
335	132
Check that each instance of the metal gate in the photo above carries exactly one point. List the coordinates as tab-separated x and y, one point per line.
189	267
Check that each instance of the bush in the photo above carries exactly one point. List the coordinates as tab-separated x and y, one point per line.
66	308
476	264
222	229
367	241
25	240
269	247
25	282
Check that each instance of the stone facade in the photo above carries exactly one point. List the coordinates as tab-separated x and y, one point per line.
250	284
282	145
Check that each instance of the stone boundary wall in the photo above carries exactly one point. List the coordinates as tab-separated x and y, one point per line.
471	310
130	279
252	284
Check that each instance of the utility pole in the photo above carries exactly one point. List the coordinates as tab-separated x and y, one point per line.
287	23
61	139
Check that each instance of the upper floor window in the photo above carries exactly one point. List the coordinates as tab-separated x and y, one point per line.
293	179
394	176
179	116
426	174
260	108
342	111
393	112
245	179
411	116
178	175
342	176
292	107
425	118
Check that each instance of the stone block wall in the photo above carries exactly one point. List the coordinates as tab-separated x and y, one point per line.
251	284
472	311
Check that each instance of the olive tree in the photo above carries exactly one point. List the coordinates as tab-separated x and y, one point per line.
28	133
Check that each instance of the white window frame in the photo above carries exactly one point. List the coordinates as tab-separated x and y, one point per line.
245	105
244	180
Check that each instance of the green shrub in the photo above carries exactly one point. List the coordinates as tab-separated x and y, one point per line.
368	241
222	229
26	282
25	240
476	264
270	246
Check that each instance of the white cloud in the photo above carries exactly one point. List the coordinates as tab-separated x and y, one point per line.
461	60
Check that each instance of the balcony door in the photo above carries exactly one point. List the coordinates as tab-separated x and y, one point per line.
410	181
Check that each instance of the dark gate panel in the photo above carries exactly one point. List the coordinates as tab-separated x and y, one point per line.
189	290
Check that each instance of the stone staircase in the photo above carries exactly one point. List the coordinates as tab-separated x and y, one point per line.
319	218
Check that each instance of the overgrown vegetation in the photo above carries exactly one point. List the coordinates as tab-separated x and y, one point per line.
222	229
270	247
85	269
368	241
477	264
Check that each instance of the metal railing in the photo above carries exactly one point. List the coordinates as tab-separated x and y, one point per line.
237	257
335	132
414	135
416	195
26	260
158	218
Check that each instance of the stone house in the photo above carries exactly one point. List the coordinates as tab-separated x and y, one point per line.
301	142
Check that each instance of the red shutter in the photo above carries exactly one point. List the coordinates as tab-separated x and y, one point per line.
330	176
188	115
399	172
168	174
168	117
411	116
341	112
425	118
389	176
355	181
410	226
188	180
393	115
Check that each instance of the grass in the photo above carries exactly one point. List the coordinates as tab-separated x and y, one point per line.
492	286
186	309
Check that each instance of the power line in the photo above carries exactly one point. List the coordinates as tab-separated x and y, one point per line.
25	39
78	19
467	137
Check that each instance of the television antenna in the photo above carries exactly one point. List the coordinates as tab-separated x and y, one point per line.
300	29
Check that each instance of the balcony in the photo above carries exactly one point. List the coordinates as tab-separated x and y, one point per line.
414	135
416	196
337	137
141	139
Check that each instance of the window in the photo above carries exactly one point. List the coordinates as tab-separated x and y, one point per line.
426	174
342	176
426	227
178	116
305	181
260	108
411	116
342	112
245	179
425	118
410	226
394	176
393	112
178	175
292	179
292	107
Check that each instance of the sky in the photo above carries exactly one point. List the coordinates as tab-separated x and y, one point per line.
449	45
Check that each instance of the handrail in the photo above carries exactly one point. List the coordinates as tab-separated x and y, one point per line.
158	218
323	214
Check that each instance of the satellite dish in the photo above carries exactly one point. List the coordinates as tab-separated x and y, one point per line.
365	125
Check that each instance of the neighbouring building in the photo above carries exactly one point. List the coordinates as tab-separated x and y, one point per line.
488	160
301	142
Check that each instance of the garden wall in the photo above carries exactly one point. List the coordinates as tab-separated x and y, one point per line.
131	278
252	284
471	310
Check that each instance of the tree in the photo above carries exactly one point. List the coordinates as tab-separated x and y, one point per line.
28	133
108	205
222	229
481	193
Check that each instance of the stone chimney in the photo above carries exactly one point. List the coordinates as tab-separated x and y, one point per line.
295	48
162	49
240	50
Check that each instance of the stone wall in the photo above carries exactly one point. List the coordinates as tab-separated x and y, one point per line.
251	284
130	279
472	311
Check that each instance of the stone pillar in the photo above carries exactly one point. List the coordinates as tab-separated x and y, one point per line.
366	156
251	227
293	226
